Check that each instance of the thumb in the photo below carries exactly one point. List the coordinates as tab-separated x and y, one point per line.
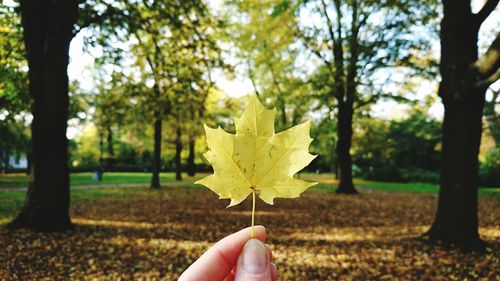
254	263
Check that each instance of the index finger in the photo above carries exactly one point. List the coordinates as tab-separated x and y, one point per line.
216	263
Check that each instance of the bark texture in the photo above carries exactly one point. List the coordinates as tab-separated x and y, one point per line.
191	167
110	161
344	90
178	152
344	135
462	91
155	179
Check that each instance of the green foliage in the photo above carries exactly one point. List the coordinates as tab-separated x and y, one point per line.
14	141
14	98
84	150
415	141
333	58
129	155
165	53
266	47
398	150
489	170
13	65
171	45
157	58
357	43
323	145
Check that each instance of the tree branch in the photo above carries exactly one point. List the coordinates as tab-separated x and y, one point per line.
96	19
252	77
488	81
487	9
488	65
330	26
316	52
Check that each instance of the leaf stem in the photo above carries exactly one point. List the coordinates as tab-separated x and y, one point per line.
253	211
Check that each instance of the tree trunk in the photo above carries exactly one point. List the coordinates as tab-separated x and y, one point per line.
252	77
344	100
346	108
111	155
178	151
344	136
155	180
28	163
334	167
191	167
101	149
48	30
282	109
280	102
6	160
456	221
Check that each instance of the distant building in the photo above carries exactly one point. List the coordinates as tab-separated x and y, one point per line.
18	162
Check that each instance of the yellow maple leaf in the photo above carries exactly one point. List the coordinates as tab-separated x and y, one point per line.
256	159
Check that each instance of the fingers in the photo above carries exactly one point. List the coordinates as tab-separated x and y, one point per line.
230	277
274	272
217	263
274	269
254	263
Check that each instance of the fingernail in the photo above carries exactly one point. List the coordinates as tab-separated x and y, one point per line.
254	257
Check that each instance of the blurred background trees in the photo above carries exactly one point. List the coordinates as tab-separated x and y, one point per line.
148	64
150	73
352	44
14	98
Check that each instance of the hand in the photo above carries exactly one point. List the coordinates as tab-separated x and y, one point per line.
235	257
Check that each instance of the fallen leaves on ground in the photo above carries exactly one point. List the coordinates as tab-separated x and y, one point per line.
155	235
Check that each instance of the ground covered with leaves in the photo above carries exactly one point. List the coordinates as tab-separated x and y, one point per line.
137	234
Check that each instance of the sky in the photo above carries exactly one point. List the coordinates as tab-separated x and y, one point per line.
81	65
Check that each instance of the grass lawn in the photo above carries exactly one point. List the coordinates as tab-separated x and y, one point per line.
12	200
327	182
21	180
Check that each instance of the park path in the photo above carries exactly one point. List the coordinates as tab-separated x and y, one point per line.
101	186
